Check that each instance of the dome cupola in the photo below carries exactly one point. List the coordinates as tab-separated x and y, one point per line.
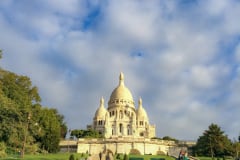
121	93
141	113
101	111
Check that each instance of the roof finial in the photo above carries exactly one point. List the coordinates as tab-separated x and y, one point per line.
140	102
121	79
102	102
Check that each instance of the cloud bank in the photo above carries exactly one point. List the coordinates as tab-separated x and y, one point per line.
182	58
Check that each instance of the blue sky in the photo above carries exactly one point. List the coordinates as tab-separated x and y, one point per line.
182	57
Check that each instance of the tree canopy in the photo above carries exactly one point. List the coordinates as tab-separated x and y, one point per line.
85	134
213	143
24	123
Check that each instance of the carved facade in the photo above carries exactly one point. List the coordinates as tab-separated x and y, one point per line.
121	118
125	128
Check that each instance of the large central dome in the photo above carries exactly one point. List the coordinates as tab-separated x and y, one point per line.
121	92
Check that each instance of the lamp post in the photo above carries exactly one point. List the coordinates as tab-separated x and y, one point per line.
25	135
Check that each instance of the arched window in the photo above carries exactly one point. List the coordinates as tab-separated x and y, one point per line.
100	122
121	114
128	130
112	129
120	127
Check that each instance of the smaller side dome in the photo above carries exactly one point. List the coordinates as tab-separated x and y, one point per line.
141	113
101	111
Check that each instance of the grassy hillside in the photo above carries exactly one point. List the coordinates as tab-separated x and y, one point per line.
59	156
65	156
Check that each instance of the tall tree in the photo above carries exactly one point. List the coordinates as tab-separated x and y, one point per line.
213	143
23	121
19	89
236	146
52	130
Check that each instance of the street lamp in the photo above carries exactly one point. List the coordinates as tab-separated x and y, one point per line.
25	135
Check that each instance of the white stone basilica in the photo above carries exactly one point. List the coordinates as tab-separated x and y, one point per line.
125	129
121	118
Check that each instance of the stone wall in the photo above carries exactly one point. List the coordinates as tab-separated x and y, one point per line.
123	145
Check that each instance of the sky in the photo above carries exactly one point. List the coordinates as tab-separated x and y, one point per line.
182	57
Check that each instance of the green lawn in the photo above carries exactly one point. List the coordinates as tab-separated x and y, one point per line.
148	157
204	158
65	156
58	156
215	158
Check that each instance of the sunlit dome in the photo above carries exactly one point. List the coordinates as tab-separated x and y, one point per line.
101	111
121	92
141	113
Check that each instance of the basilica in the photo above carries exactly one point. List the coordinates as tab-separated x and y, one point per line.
122	118
124	126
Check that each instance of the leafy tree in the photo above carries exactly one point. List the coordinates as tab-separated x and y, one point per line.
236	146
2	150
10	122
213	143
63	126
85	134
64	130
50	136
77	133
19	89
24	123
170	139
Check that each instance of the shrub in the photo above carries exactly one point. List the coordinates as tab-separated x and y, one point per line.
32	149
125	157
160	153
71	157
118	156
135	152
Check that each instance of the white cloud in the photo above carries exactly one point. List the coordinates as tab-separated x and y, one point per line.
203	76
215	7
179	74
69	7
46	27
